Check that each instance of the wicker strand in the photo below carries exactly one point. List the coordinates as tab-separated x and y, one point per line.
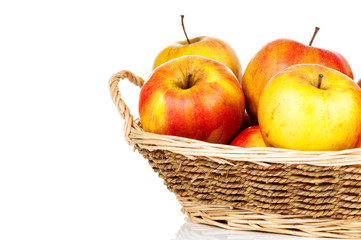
243	219
261	155
119	102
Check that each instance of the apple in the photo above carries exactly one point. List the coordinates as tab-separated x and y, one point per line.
278	55
205	46
249	137
247	121
310	107
193	97
359	83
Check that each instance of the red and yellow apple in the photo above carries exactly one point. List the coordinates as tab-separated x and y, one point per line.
278	55
250	137
310	107
205	46
359	83
193	97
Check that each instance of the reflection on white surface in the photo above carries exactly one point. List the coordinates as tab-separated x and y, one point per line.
193	231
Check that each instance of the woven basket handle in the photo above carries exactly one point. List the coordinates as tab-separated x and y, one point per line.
119	102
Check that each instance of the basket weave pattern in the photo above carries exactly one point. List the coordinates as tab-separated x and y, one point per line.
305	193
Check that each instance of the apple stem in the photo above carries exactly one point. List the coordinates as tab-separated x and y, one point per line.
314	35
320	76
184	30
189	78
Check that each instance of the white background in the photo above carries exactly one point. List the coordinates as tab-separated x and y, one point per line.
66	171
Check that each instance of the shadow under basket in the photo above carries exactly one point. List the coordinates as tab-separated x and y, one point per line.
302	193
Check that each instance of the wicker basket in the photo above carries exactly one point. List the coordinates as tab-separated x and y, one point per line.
303	193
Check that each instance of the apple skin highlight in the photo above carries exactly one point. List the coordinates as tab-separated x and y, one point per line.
209	108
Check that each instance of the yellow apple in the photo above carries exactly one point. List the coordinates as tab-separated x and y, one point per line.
209	47
310	107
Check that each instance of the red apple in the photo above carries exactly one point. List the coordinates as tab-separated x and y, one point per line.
359	83
250	137
278	55
193	97
210	47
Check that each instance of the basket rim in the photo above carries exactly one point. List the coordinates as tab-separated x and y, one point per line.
227	154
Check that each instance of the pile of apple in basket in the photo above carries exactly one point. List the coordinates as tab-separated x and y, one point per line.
291	95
